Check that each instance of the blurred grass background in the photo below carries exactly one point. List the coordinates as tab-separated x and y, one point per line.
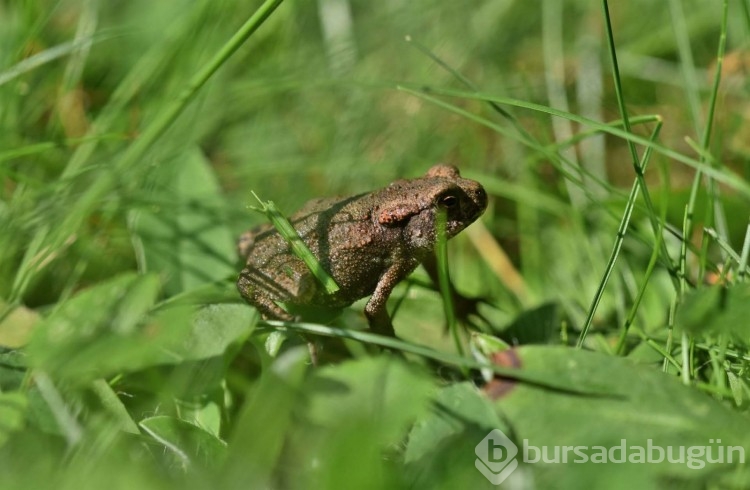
313	104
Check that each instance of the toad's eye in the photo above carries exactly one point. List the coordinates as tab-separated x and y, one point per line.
448	202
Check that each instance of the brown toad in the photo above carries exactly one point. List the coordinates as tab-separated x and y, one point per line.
367	243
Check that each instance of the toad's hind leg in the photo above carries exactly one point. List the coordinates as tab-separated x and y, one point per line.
259	299
265	304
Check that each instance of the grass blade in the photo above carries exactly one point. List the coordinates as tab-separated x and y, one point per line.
621	232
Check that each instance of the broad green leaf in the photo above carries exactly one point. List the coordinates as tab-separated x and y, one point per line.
189	444
214	328
355	416
114	406
104	329
111	328
537	326
184	235
261	428
206	415
456	408
377	390
716	309
273	342
740	389
645	404
40	416
191	380
12	414
12	369
197	352
440	450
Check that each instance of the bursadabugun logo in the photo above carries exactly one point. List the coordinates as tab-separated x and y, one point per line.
496	456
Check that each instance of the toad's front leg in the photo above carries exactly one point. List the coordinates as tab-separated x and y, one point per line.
375	310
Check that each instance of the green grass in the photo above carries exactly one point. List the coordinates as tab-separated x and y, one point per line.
134	133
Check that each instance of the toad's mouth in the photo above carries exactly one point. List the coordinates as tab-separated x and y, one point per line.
455	226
